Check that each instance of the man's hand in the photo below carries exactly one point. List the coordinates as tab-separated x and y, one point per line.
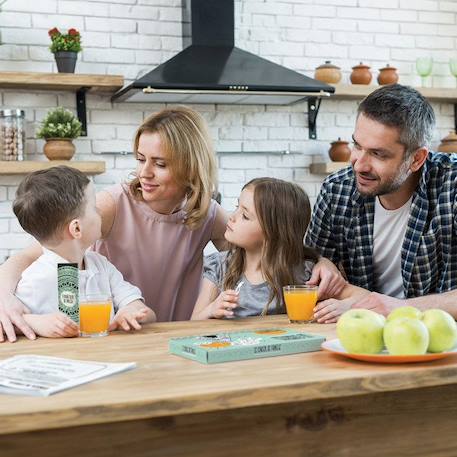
329	279
54	325
382	304
11	314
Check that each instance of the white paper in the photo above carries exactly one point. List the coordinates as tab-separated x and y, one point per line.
42	375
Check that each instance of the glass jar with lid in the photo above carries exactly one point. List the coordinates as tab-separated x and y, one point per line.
12	134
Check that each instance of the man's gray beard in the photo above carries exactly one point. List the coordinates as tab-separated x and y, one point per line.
390	186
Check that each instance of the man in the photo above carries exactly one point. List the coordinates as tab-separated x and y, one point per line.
391	219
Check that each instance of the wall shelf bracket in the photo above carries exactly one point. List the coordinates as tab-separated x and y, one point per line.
314	104
81	108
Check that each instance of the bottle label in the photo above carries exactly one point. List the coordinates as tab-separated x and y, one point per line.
68	289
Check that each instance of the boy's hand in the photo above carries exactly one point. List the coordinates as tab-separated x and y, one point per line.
224	304
130	316
53	325
328	311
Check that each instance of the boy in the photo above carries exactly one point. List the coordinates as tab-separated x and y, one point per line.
57	207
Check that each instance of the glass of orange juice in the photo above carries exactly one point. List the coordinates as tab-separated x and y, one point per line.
300	301
94	315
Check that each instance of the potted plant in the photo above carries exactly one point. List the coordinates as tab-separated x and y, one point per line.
65	47
59	128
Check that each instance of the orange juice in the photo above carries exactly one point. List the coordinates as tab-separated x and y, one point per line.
300	302
94	318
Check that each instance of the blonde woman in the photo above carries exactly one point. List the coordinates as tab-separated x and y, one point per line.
154	229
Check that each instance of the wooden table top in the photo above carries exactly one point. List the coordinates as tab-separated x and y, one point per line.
165	384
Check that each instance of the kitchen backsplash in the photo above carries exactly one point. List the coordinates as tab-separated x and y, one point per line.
130	37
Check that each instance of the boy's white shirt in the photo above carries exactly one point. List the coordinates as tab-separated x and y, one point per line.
37	288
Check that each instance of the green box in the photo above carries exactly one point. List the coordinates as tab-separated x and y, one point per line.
230	346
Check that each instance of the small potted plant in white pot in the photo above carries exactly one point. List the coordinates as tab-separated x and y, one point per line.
65	47
59	128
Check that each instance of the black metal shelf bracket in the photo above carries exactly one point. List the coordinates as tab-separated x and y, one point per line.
314	104
81	108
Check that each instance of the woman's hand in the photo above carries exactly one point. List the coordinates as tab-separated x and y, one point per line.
329	279
12	312
224	304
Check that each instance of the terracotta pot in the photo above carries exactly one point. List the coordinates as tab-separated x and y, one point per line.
449	143
361	74
59	149
328	73
387	75
339	151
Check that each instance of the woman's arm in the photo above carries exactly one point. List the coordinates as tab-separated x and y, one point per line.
106	207
12	309
219	227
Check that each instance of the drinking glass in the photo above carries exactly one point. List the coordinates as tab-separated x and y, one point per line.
300	301
94	315
453	67
424	67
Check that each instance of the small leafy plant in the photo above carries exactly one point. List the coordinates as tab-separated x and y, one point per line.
59	123
70	41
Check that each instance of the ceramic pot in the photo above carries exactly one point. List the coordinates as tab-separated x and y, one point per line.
328	73
59	149
66	61
449	143
387	75
339	151
361	74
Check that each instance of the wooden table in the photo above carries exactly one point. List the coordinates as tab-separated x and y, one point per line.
315	404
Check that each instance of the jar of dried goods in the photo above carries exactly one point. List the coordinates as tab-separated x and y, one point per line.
12	134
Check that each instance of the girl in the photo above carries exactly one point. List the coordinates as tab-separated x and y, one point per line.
266	235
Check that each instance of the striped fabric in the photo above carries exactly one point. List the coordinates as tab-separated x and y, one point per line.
342	229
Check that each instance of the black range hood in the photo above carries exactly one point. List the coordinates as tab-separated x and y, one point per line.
212	70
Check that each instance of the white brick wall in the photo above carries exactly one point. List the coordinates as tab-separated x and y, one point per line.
131	36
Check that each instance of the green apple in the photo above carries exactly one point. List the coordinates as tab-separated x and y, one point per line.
442	329
405	311
360	331
406	336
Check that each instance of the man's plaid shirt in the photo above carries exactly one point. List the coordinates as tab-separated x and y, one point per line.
342	229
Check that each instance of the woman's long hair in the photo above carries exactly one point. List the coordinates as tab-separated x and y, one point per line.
284	212
188	146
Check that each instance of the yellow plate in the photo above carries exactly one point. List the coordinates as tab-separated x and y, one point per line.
383	357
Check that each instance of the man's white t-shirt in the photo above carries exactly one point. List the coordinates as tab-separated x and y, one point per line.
37	288
388	234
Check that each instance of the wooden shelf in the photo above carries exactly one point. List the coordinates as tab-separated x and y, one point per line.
28	166
359	91
327	167
60	81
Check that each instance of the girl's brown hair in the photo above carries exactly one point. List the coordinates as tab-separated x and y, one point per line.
188	146
284	212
